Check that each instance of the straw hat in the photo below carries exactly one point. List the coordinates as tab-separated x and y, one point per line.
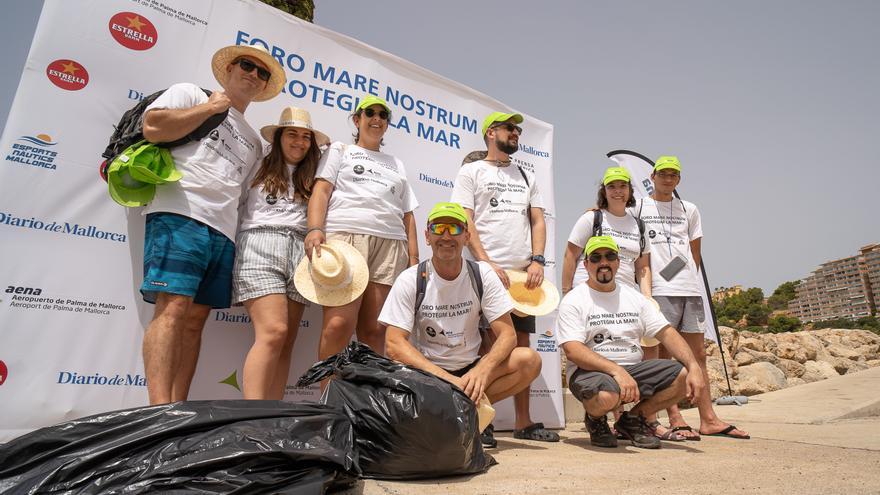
224	56
294	117
485	412
651	341
538	301
337	277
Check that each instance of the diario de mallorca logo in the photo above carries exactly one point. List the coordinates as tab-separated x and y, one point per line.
67	74
133	31
100	379
4	372
68	228
34	150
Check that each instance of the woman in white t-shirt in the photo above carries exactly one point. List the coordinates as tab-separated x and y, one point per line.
614	197
269	245
362	197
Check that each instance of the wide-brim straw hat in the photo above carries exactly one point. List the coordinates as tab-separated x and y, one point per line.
651	341
224	56
294	117
538	301
337	277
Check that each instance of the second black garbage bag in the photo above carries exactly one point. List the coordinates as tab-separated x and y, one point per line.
408	424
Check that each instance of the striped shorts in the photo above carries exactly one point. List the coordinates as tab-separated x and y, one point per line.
265	262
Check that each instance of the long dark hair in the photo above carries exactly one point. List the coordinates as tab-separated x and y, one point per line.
273	170
602	200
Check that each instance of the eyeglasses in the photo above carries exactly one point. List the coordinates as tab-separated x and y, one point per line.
668	175
440	228
509	127
369	112
248	66
597	257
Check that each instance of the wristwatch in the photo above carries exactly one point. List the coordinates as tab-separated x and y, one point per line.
539	259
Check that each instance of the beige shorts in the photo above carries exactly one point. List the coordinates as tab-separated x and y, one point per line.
386	258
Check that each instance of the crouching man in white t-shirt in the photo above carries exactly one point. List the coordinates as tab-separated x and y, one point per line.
442	335
599	327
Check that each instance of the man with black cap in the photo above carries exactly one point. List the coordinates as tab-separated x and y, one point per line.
506	212
190	224
600	326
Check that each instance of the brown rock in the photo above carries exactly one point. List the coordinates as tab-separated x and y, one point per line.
758	378
794	381
754	344
791	368
841	351
818	370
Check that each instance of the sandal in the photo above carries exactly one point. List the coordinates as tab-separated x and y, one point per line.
670	435
695	438
536	431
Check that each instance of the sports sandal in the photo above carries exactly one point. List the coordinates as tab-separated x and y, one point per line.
670	435
487	437
536	431
687	428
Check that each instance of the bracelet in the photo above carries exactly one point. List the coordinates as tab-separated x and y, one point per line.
314	228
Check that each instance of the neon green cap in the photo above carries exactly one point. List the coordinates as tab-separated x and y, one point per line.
667	162
600	241
451	210
615	173
133	175
370	100
500	117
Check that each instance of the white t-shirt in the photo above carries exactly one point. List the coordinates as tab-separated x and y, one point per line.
670	229
500	199
214	169
611	324
371	192
262	209
624	230
446	330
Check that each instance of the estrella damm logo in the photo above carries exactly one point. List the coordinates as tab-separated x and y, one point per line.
67	74
4	372
34	150
133	31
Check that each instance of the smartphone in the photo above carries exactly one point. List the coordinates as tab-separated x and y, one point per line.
671	270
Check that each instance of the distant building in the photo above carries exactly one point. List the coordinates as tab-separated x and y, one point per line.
722	293
841	288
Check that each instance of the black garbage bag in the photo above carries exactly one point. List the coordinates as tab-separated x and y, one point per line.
235	446
408	424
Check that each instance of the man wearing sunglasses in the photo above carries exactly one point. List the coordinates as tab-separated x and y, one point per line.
600	326
506	211
442	335
191	224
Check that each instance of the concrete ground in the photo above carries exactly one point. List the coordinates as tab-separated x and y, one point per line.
821	438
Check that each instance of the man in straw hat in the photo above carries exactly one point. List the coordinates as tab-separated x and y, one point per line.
440	334
190	225
599	327
506	212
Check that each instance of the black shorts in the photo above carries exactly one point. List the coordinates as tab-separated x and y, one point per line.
523	323
461	371
651	376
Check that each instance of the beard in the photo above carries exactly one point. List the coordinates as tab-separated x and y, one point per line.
506	146
604	275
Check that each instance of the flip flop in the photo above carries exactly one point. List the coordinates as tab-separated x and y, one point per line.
670	435
687	428
726	433
536	431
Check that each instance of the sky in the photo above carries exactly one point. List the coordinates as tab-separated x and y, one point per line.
772	107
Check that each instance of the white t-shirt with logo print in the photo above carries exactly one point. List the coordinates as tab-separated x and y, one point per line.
671	225
214	169
500	199
446	331
610	324
370	191
261	209
625	232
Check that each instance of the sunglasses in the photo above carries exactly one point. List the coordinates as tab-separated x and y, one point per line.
248	66
668	175
369	112
509	127
440	228
597	257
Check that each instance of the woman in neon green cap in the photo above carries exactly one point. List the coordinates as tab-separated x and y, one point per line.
362	197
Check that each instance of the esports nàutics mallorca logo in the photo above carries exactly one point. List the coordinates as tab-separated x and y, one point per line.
67	74
133	31
33	150
4	372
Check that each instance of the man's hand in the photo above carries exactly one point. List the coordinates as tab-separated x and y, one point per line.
313	240
629	389
500	272
219	102
696	386
535	275
475	381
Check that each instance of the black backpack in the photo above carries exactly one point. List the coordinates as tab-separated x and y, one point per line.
130	130
476	282
597	228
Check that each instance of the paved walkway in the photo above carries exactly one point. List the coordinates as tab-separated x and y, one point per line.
818	438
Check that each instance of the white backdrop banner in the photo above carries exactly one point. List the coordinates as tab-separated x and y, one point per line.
71	318
641	167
